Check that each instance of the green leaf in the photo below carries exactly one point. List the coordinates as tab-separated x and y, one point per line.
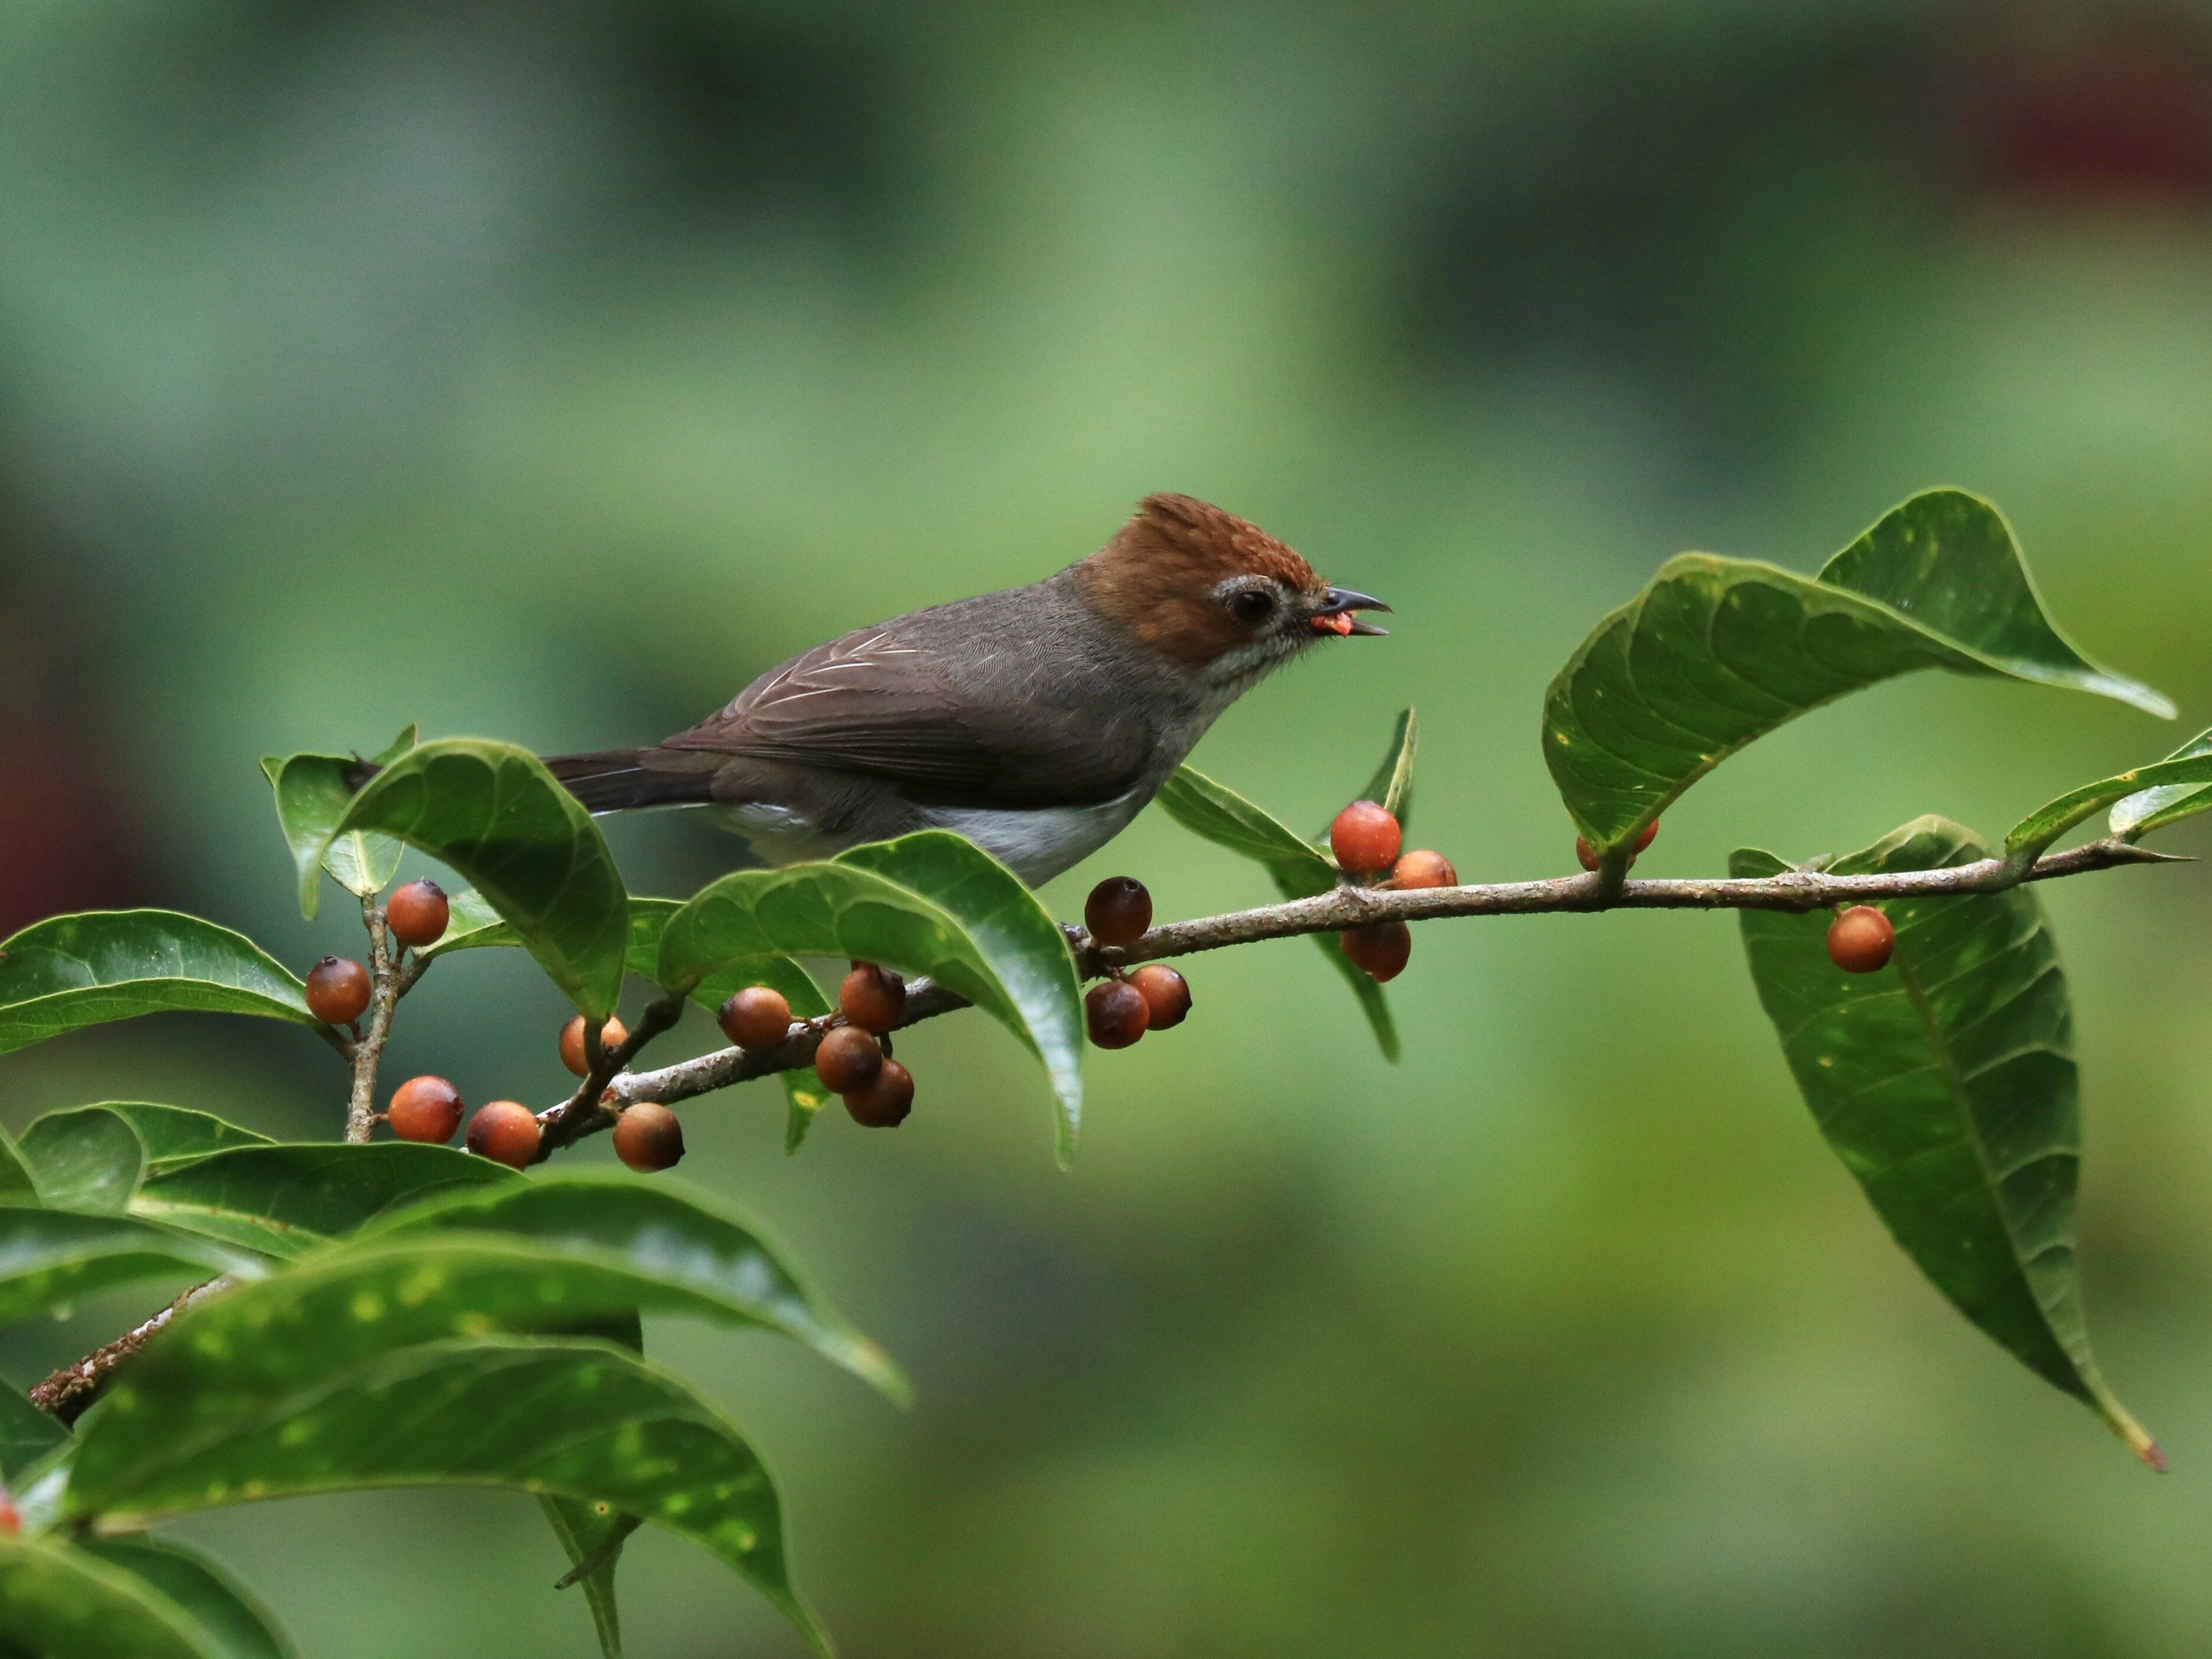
1224	818
1947	1084
1017	936
313	793
410	735
592	1534
67	972
27	1435
494	813
1392	785
173	1133
49	1258
470	925
16	1186
842	909
2035	833
2153	809
233	1621
58	1601
666	1238
85	1157
804	1095
284	1199
1717	651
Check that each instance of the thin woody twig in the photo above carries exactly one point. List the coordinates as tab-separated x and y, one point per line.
384	991
68	1393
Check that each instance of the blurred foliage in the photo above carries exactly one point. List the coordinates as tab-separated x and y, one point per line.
545	373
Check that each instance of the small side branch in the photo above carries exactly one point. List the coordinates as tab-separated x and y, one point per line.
68	1393
383	993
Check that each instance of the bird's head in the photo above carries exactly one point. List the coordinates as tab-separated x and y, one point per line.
1213	595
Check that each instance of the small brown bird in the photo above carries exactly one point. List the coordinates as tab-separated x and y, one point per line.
1036	721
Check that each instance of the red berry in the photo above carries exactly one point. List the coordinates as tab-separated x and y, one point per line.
425	1108
1861	939
337	990
1117	1012
846	1057
11	1520
1366	838
1381	949
1118	911
417	913
755	1018
506	1132
1424	869
873	998
884	1101
1647	835
612	1036
648	1138
1166	994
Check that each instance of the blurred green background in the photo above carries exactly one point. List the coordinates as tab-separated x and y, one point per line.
545	371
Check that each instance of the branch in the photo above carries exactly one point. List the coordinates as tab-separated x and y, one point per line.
1331	912
383	997
68	1393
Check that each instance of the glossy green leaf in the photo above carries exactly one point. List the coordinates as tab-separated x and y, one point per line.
1717	651
173	1133
2137	815
410	735
2035	833
804	1095
16	1186
84	1157
1392	783
471	924
58	1601
648	920
231	1618
27	1435
313	793
285	1200
592	1534
1947	1084
1017	936
494	813
1299	870
843	909
670	1238
67	972
49	1258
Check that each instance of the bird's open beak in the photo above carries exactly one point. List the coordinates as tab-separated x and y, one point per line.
1335	615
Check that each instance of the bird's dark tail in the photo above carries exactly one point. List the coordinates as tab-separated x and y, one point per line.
620	780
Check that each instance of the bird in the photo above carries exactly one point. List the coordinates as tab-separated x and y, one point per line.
1036	721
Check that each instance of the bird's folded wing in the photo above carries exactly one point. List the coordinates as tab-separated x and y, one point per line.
883	704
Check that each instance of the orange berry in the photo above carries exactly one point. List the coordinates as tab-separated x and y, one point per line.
1585	855
1118	911
612	1036
755	1018
873	998
846	1057
648	1138
1861	939
1646	836
11	1519
884	1101
1166	994
337	990
1365	839
1424	869
1117	1013
506	1132
1381	949
417	913
425	1108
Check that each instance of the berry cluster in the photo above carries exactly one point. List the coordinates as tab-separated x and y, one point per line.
853	1059
1154	998
1365	839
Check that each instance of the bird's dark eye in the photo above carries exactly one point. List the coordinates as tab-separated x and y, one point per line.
1252	606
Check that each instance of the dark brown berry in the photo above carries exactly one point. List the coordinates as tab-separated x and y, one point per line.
1118	911
884	1101
1380	949
1117	1013
425	1108
873	998
506	1132
1861	939
417	913
755	1018
1365	839
612	1036
1166	994
648	1138
1648	834
846	1057
1424	869
337	990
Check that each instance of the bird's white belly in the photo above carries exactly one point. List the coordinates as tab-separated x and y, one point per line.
1038	843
